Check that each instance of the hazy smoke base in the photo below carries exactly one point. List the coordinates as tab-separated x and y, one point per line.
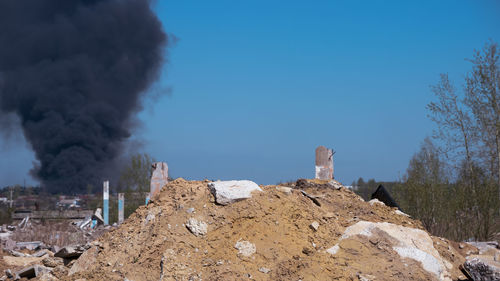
74	72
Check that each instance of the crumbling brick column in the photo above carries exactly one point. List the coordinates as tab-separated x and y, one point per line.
159	178
324	163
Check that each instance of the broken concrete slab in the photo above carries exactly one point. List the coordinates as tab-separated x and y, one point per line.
482	268
227	192
32	271
84	261
198	228
69	252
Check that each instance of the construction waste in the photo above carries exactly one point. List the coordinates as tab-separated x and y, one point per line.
237	230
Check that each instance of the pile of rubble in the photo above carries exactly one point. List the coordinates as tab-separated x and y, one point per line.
237	230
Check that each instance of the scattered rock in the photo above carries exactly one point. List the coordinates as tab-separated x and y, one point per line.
264	270
366	277
376	201
198	228
284	189
227	192
401	213
9	274
245	248
314	225
335	184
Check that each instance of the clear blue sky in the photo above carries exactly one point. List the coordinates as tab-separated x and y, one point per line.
257	85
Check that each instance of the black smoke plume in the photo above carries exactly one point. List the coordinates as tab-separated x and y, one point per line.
75	73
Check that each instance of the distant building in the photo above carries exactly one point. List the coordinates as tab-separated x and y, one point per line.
66	204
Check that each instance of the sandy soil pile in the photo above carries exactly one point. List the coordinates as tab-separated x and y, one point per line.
278	234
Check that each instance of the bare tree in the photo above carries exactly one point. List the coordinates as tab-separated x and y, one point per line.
482	97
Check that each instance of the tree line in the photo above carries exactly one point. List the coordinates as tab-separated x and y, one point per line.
452	183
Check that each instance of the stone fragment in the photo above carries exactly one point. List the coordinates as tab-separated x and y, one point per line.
264	270
366	277
159	177
482	268
9	274
335	184
227	192
284	189
324	163
245	248
198	228
314	225
376	201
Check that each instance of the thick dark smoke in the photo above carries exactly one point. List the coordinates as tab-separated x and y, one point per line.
75	72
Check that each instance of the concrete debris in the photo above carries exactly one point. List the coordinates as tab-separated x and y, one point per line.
84	261
9	273
264	270
32	271
376	201
32	245
245	248
335	184
17	254
227	192
277	222
398	212
313	198
408	242
284	189
98	216
159	177
198	228
314	225
52	262
486	248
362	277
324	163
69	252
482	268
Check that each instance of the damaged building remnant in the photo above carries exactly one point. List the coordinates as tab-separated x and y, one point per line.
121	202
105	197
324	163
159	177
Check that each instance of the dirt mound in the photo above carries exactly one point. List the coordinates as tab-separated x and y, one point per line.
277	234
